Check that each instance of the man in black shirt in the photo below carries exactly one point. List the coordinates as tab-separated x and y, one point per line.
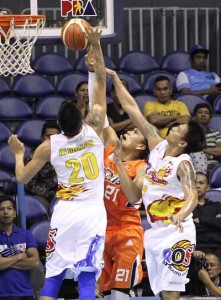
207	219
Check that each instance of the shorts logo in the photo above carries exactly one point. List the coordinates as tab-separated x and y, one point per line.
51	242
77	8
179	255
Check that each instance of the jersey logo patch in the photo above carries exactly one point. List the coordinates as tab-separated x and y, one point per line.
129	243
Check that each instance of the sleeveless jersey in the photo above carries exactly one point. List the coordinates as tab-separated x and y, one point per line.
162	191
119	211
78	162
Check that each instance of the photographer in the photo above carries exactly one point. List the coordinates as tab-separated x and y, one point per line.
208	271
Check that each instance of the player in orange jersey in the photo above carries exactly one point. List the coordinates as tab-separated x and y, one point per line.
124	236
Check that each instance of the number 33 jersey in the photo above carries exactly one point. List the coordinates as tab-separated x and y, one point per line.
79	164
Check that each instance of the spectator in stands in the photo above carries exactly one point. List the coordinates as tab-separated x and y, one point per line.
117	117
44	183
207	219
164	112
81	97
205	280
197	80
18	255
203	114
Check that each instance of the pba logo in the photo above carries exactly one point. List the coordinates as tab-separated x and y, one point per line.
77	8
179	255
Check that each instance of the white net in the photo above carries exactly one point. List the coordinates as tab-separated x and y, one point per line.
16	46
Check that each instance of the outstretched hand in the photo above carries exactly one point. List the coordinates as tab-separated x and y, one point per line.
110	72
93	35
118	151
16	146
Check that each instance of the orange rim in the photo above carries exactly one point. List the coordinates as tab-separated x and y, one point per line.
5	20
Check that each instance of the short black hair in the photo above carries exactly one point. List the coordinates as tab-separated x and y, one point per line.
203	105
161	78
4	198
195	137
50	124
80	84
202	173
69	118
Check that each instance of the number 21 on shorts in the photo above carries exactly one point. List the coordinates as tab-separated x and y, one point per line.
122	275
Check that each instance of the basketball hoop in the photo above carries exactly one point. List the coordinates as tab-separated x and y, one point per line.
18	34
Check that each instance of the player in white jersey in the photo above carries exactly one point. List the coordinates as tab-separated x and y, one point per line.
169	195
78	224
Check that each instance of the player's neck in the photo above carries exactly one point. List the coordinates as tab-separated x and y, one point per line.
172	151
201	200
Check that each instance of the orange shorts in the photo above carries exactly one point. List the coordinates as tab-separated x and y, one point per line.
122	258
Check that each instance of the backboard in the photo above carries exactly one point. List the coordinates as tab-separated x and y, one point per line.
101	13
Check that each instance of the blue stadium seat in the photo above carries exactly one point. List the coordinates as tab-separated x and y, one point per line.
142	100
137	62
34	209
215	177
134	86
67	84
215	122
51	64
29	132
191	100
40	231
32	86
214	195
7	159
148	85
217	105
47	107
81	67
4	87
175	62
14	108
5	133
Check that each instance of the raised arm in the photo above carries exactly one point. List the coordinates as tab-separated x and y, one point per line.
109	134
96	116
41	156
132	188
130	106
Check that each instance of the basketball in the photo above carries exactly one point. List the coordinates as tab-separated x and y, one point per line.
72	34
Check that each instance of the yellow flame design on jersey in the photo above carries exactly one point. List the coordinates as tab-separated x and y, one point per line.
67	193
162	208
